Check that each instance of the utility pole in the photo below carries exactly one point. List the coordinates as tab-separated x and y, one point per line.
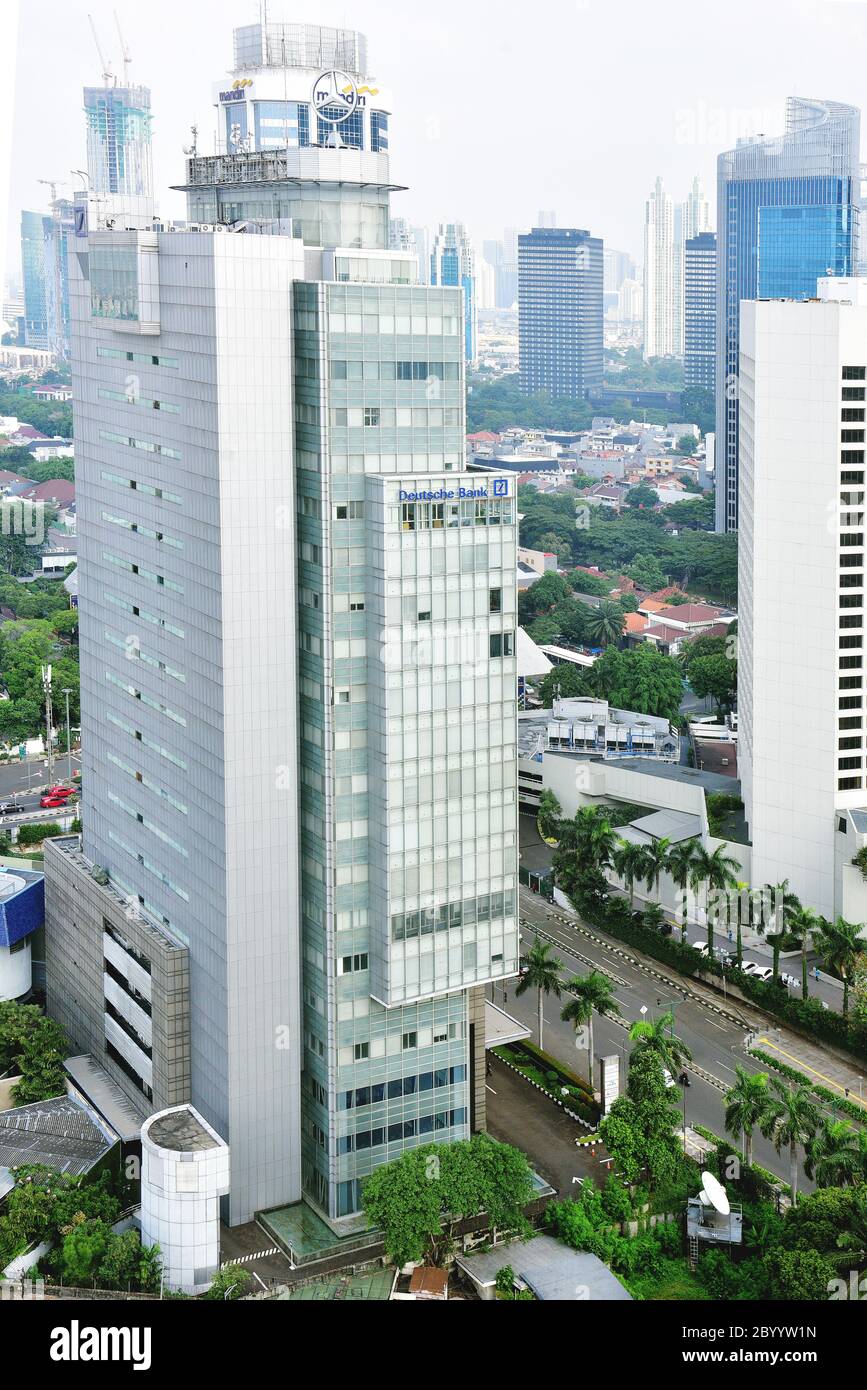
67	692
49	719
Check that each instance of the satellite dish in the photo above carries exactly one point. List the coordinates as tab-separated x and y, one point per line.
713	1194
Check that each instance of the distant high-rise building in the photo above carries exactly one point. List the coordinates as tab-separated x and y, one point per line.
560	311
547	219
46	279
662	330
699	311
787	213
119	158
695	211
802	754
618	266
453	262
630	303
33	273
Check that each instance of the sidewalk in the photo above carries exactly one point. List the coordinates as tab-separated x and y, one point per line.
823	1068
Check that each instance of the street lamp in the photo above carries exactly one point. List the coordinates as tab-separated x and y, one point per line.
49	720
67	692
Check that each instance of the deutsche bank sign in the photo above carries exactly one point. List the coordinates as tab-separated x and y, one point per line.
443	494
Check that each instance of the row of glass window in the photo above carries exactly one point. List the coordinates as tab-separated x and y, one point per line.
488	907
401	1086
408	1129
437	516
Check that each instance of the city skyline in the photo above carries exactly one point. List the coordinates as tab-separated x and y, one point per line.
726	95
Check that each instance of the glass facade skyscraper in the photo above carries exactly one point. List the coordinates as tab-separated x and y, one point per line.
119	159
44	252
298	654
787	214
560	274
33	274
699	311
452	262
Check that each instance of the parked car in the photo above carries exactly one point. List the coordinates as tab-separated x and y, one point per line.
669	1079
756	971
50	802
61	791
700	946
790	981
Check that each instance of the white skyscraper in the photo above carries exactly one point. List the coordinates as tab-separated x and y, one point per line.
662	336
803	381
696	211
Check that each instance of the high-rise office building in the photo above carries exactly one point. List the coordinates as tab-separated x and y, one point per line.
662	330
453	262
801	702
699	310
33	275
787	213
617	267
695	211
298	866
119	157
46	280
560	311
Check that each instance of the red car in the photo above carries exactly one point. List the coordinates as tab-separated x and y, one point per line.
61	791
47	802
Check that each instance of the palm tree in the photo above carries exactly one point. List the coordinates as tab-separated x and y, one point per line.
786	906
717	872
657	1036
594	838
656	860
746	1107
541	972
839	943
790	1120
630	862
803	922
606	623
679	865
593	993
837	1155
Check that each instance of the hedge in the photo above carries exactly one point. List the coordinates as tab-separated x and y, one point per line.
31	834
857	1112
614	916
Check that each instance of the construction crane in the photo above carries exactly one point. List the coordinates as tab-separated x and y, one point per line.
53	184
108	76
124	51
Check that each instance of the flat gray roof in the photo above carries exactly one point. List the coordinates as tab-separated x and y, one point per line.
182	1131
668	825
550	1269
653	767
105	1096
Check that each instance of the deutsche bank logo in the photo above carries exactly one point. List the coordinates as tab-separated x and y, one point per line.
501	487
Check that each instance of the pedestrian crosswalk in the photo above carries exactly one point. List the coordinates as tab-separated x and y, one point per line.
255	1255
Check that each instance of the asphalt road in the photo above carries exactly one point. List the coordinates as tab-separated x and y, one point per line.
22	785
716	1043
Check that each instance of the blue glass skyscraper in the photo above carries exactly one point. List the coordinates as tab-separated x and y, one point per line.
787	213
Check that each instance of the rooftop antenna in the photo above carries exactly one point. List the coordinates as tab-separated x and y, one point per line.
125	53
108	76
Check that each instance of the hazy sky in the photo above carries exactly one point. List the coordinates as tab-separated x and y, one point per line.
500	109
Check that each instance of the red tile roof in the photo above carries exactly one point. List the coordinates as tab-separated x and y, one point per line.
55	490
